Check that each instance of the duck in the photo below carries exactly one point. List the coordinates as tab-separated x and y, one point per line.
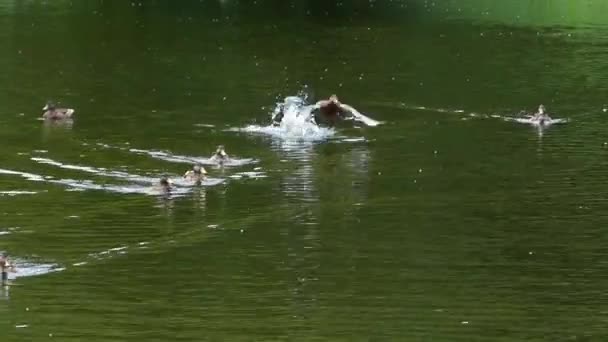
541	116
219	156
197	174
50	111
164	185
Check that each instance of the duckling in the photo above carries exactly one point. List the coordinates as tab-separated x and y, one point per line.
220	156
50	111
197	174
164	184
541	115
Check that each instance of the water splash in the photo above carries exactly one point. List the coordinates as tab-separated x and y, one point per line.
294	126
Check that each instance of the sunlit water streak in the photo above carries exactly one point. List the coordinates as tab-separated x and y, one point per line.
124	175
11	193
82	185
524	118
28	268
184	159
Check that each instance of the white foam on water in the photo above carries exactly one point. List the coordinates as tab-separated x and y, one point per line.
184	159
29	269
535	122
147	188
209	181
249	174
108	253
16	193
168	156
294	126
28	176
97	171
437	110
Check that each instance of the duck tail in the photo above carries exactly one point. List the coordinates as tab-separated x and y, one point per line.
69	112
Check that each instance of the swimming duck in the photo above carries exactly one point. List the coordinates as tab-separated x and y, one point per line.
50	111
328	113
197	174
164	184
541	116
220	156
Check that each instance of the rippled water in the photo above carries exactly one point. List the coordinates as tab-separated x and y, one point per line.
454	220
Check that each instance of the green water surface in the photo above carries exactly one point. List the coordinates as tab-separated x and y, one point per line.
446	223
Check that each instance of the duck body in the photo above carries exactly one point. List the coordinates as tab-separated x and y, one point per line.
220	156
197	174
51	112
164	185
541	117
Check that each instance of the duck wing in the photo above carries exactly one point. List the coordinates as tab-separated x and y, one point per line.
359	117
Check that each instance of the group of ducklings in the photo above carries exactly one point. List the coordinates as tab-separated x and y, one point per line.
198	173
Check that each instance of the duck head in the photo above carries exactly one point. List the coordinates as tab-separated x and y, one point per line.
165	182
50	106
334	99
221	152
541	109
198	169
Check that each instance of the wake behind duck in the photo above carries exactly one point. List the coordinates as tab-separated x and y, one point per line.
539	119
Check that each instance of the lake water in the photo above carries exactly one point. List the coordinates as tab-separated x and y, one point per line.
451	221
